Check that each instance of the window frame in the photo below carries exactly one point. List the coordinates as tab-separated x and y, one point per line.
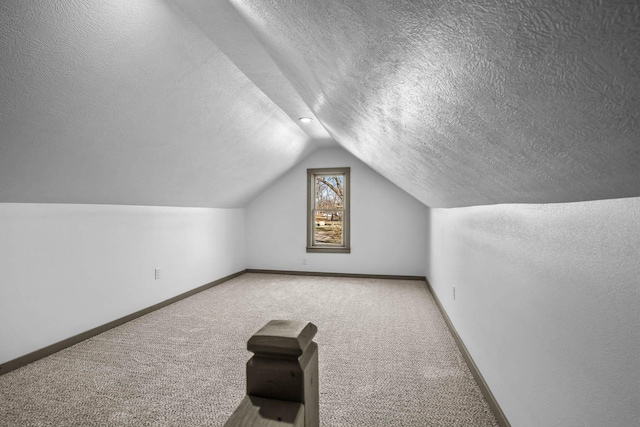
312	246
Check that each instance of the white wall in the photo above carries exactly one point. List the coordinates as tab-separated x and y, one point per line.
387	225
65	269
547	302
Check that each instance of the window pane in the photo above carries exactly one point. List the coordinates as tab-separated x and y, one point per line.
329	192
328	226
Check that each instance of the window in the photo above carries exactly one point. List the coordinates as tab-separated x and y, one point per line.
328	210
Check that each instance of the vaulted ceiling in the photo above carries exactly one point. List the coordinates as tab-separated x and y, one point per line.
195	102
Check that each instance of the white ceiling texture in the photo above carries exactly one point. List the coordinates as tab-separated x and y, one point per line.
195	102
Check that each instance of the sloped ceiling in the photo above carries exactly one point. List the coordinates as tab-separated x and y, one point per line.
130	102
195	102
471	102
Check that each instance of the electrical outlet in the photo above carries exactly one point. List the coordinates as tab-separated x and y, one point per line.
304	261
157	273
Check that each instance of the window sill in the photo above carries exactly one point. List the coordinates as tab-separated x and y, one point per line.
329	250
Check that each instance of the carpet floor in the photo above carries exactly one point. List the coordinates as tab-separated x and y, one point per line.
386	358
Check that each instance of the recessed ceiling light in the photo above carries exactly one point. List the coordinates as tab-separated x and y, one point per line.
305	119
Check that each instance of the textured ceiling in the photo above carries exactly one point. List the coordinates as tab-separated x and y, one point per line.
222	24
129	102
471	102
194	102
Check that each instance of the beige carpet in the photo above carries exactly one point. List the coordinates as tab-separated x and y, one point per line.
386	359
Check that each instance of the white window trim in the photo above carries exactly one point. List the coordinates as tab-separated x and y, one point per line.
345	247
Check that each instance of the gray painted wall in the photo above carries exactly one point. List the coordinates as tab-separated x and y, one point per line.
547	302
69	268
387	224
